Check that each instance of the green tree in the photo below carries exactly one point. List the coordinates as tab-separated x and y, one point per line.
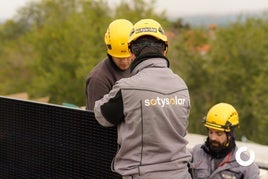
13	63
68	41
49	48
139	9
233	71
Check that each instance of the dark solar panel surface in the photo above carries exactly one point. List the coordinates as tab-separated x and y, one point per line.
48	141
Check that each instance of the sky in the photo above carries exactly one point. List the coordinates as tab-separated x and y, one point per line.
174	8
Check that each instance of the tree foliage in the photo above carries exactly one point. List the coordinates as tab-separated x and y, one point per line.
233	71
49	48
65	42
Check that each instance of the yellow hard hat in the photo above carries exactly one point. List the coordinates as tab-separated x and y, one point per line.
147	27
116	38
222	116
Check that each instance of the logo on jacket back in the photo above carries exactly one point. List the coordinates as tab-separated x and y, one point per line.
164	101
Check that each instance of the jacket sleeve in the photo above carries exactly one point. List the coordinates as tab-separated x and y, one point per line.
95	90
109	110
252	172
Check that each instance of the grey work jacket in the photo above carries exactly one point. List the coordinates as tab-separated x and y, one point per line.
153	121
203	166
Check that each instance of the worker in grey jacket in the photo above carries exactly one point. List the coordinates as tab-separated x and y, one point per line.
217	158
150	109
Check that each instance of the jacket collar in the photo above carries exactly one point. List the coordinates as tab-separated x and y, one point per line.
145	57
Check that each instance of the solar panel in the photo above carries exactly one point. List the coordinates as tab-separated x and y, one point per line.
39	140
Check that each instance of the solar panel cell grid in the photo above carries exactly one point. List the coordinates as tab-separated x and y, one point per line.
48	141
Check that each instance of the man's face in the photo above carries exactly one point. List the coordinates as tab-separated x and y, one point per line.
217	139
123	63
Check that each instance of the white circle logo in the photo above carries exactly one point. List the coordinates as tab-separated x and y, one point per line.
243	162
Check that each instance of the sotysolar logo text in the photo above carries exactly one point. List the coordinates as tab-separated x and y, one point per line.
164	101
